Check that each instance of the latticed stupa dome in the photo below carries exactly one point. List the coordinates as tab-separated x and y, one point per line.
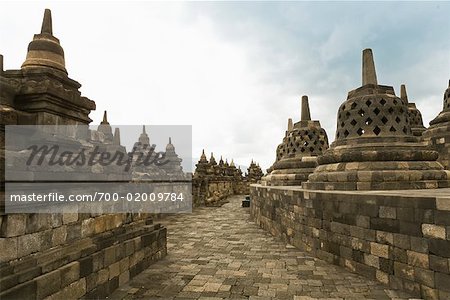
297	154
45	51
374	147
414	114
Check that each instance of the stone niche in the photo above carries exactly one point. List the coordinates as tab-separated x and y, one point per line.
65	255
374	148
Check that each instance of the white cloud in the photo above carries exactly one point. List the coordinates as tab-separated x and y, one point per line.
235	71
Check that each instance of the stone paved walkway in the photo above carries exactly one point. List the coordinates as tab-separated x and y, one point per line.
219	253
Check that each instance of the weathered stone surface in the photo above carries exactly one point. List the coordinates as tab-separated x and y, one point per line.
8	249
48	284
433	231
236	260
13	225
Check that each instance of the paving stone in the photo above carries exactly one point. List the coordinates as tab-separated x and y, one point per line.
219	253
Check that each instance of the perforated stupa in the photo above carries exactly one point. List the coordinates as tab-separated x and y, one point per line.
374	147
297	155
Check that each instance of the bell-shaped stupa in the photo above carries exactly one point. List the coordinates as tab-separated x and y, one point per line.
374	148
414	114
438	134
45	51
297	154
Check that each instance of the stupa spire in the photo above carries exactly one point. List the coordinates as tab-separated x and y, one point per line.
170	140
47	22
143	129
403	94
369	75
306	115
290	124
105	118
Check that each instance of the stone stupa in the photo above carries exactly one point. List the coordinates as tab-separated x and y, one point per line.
414	114
297	154
438	134
374	148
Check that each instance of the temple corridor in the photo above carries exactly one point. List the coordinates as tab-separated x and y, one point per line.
219	253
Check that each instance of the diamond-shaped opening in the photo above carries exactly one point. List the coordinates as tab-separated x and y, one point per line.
320	149
302	149
315	143
322	142
353	122
397	120
353	105
311	136
368	121
392	129
360	131
346	133
376	110
361	112
401	110
368	103
405	130
342	124
382	101
311	149
305	144
395	101
337	135
384	120
347	114
306	132
377	130
390	110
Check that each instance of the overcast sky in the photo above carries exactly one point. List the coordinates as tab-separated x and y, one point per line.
236	71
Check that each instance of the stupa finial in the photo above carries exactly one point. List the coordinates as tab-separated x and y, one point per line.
369	75
143	129
170	140
105	118
306	115
290	124
403	94
47	22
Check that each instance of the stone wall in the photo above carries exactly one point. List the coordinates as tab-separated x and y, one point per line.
57	256
210	191
400	239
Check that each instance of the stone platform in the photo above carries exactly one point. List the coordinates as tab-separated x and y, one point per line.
220	253
400	238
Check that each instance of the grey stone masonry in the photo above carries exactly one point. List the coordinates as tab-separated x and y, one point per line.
400	238
87	257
